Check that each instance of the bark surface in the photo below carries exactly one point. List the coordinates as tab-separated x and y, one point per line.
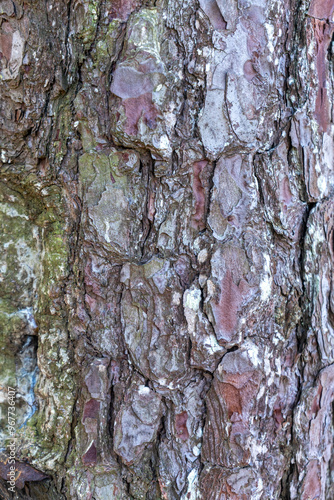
167	248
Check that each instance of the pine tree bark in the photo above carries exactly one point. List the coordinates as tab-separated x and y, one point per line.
167	245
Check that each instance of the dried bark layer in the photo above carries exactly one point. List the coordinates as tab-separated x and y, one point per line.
167	241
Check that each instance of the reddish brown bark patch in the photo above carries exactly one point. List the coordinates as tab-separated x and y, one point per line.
249	71
312	484
278	416
226	310
121	9
90	457
181	425
238	398
137	107
91	409
6	40
316	403
232	399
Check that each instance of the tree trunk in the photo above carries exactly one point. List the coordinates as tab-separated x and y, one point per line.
167	246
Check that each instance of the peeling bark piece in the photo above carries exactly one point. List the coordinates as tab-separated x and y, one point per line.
231	196
11	46
96	380
90	457
23	472
111	200
226	310
229	267
181	425
128	82
241	79
136	424
318	181
231	401
91	409
140	108
213	12
91	442
154	345
6	40
139	81
311	486
205	350
240	108
229	10
107	483
222	14
213	124
281	194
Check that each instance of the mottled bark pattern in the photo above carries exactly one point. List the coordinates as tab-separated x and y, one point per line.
167	248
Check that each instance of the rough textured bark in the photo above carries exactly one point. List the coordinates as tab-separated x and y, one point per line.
167	235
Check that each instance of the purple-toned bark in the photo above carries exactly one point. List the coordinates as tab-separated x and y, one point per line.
167	246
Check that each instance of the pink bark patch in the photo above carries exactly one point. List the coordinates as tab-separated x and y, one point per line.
232	399
316	402
312	485
121	9
181	425
249	71
91	409
137	107
151	207
90	457
238	399
226	311
278	416
198	219
285	193
91	302
321	9
6	40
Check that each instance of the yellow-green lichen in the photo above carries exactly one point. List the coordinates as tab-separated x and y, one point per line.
87	21
143	34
